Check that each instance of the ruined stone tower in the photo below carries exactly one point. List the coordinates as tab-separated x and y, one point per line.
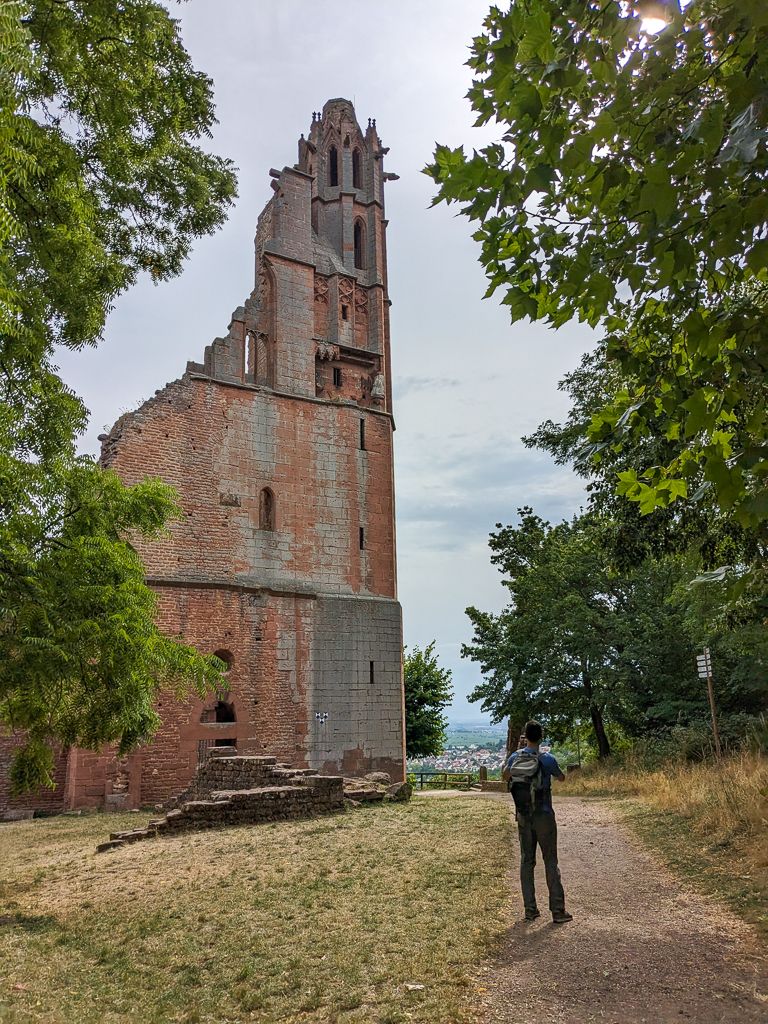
280	445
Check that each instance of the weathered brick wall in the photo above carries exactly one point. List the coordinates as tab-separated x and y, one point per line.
50	800
220	444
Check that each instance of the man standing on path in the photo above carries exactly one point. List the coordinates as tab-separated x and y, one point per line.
529	774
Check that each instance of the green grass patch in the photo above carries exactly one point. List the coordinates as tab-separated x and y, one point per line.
327	920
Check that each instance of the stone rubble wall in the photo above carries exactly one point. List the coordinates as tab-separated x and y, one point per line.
232	790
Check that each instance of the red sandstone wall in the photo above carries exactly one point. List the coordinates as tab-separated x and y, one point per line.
220	444
51	800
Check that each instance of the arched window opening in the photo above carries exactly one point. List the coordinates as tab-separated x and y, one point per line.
333	166
357	177
359	239
266	510
226	657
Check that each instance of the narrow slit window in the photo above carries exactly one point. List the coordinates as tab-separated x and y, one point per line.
337	376
357	178
371	674
359	240
333	166
266	510
362	538
345	312
362	435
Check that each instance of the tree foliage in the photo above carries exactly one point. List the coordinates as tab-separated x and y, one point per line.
103	177
584	640
629	190
428	690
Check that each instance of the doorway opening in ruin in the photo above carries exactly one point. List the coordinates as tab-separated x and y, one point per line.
222	711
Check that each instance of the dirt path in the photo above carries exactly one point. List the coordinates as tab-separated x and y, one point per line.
642	946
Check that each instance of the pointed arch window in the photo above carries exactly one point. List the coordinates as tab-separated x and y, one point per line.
357	172
359	240
266	510
333	166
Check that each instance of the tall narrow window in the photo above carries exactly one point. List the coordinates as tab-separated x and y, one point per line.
357	177
337	376
371	674
333	166
362	435
359	238
362	537
266	510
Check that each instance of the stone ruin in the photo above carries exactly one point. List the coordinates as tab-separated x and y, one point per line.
229	789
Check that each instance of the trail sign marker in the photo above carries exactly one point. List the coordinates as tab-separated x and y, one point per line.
704	668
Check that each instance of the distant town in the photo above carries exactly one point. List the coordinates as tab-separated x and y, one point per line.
467	749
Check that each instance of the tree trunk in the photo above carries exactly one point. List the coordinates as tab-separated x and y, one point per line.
603	744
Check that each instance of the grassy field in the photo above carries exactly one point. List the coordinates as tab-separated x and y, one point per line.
709	821
327	920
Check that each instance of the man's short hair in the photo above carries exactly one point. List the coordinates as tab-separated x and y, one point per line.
533	732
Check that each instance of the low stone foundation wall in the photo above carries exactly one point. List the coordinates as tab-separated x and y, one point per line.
233	790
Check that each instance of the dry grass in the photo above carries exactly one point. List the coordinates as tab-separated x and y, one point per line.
709	820
718	799
318	921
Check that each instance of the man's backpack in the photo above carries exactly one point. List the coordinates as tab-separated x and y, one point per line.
525	781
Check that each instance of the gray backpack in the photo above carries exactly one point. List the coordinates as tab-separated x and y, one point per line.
526	781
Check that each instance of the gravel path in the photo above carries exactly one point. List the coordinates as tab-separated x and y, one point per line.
642	946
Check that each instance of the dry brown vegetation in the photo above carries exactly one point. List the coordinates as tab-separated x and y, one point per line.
709	819
328	920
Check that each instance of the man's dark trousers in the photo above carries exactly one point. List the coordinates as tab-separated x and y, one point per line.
539	827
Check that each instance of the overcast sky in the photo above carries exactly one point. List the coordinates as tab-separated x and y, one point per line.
467	384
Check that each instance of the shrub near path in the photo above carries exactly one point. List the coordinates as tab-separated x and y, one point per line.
319	921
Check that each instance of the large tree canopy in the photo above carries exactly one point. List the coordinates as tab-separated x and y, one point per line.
584	641
628	189
103	177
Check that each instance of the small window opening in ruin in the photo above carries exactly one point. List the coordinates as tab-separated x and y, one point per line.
266	510
344	312
362	435
357	177
247	347
337	376
362	538
333	166
359	238
226	657
225	743
224	712
371	673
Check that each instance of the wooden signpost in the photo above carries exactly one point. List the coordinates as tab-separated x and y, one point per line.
704	666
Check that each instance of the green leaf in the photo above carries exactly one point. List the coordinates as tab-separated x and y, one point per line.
757	257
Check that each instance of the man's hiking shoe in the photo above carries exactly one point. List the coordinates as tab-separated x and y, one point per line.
561	917
531	915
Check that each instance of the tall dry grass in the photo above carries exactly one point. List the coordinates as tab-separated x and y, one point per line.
722	800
